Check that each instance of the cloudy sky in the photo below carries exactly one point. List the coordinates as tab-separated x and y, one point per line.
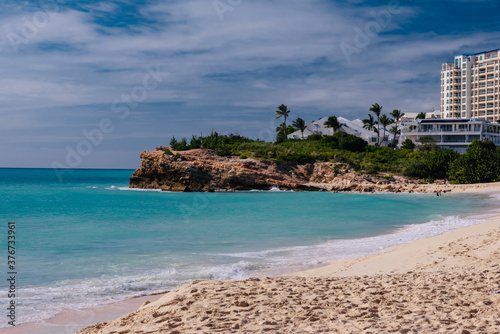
91	84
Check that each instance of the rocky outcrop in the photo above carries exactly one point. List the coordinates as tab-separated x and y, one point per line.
204	170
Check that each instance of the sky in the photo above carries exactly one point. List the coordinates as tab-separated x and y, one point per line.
92	84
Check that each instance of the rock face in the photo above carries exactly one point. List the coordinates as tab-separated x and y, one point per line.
204	170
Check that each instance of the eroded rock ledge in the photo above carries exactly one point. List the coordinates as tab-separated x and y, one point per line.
204	170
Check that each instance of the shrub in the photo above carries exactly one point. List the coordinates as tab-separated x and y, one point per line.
167	152
480	163
314	137
408	144
350	142
180	146
434	164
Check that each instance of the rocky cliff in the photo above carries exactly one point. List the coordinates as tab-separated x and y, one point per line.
203	170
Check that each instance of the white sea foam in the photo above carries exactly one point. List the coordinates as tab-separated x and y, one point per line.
134	189
43	302
325	251
46	301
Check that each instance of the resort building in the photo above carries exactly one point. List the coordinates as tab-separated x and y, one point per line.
412	116
354	127
470	86
456	134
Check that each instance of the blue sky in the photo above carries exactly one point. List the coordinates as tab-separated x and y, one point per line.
91	84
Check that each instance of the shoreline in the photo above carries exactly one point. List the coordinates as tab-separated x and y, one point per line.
448	282
70	321
77	319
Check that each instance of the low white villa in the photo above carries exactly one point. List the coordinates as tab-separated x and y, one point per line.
411	116
456	134
354	127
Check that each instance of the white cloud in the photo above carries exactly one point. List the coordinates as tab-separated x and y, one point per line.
261	55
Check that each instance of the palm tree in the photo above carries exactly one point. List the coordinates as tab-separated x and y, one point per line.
370	124
395	131
283	111
333	122
377	110
397	115
420	115
385	122
300	124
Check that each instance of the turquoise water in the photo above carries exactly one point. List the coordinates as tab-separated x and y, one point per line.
88	239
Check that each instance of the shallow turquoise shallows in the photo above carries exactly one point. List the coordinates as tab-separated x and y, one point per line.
88	239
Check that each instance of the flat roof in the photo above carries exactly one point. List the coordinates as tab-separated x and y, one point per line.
479	53
453	120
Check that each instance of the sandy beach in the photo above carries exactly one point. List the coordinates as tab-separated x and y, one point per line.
448	283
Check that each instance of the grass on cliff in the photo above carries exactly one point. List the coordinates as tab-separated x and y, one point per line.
481	163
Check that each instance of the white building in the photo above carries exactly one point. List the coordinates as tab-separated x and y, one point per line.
470	86
411	116
456	134
354	127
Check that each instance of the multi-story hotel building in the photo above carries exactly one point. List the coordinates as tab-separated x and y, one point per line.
470	86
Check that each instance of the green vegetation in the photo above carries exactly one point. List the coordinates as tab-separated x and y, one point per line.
372	124
300	124
397	115
377	110
420	115
481	162
408	144
333	123
283	112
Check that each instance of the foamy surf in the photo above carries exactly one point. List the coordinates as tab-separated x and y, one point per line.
92	240
42	303
325	251
134	189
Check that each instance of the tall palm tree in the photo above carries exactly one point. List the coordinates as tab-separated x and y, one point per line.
397	115
333	122
385	122
377	110
300	124
283	111
395	131
370	124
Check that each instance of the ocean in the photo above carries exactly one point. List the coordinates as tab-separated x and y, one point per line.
88	239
